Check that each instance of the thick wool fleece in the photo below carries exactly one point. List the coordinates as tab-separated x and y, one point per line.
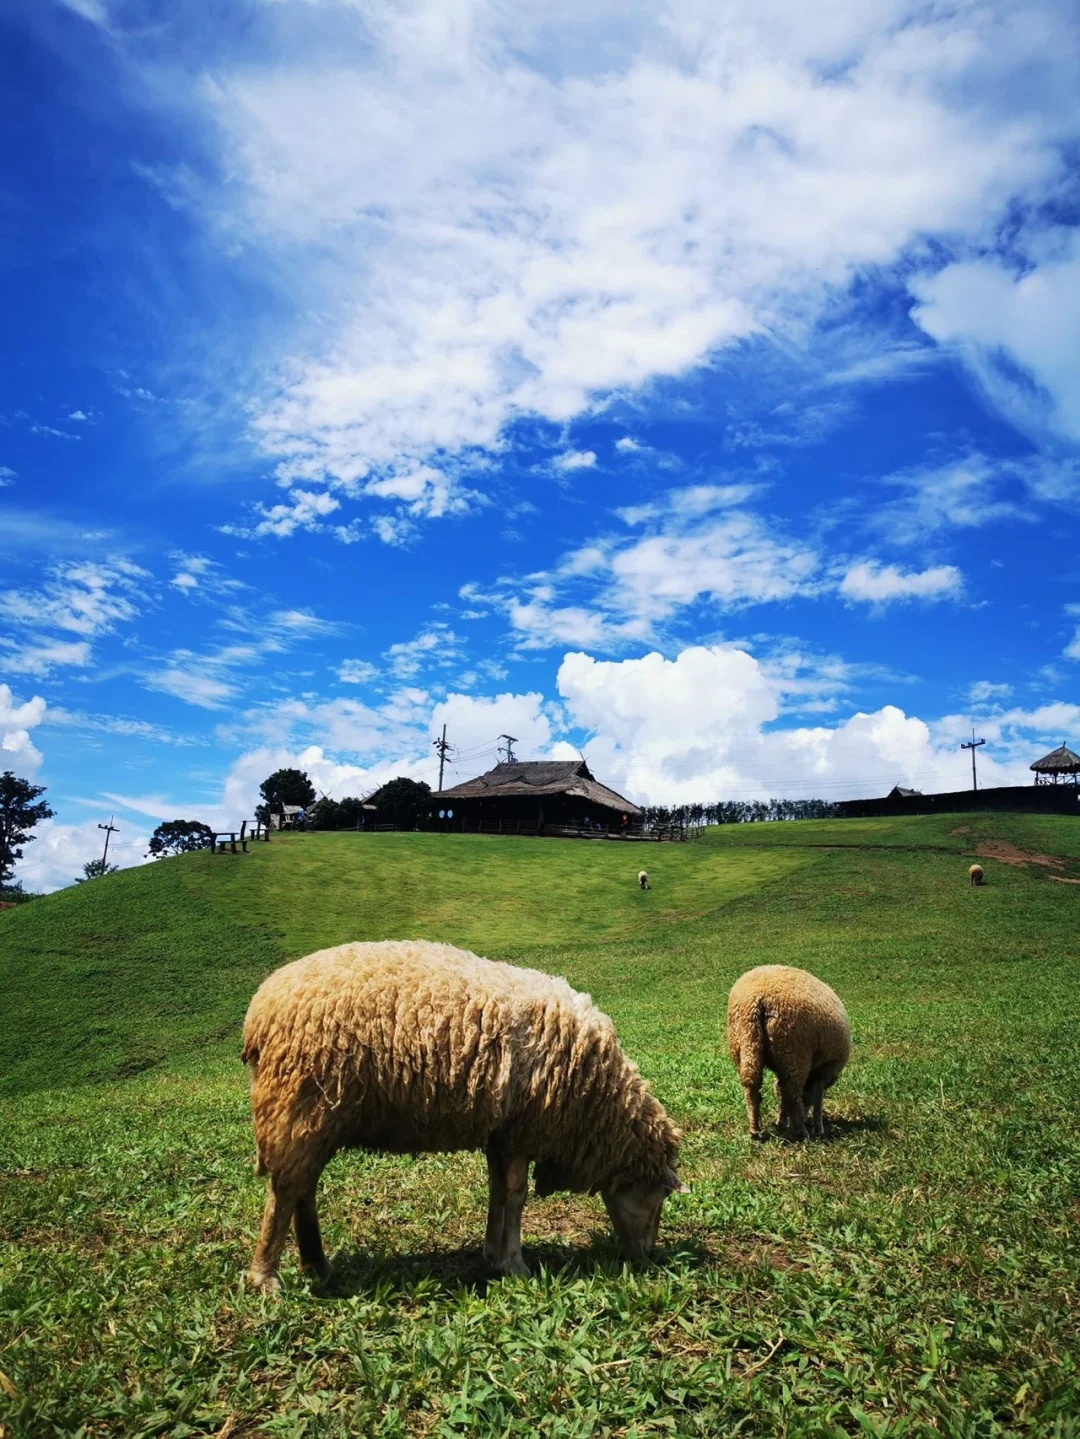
788	1021
410	1046
975	874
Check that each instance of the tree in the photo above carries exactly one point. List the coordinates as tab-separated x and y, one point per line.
324	814
18	815
179	836
284	786
401	800
94	869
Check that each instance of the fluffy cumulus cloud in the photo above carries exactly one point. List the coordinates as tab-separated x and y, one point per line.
701	726
56	857
17	751
496	211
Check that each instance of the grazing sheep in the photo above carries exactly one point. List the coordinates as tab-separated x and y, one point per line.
785	1020
413	1047
643	879
975	874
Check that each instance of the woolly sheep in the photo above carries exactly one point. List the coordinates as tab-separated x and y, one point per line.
414	1047
785	1020
643	879
975	874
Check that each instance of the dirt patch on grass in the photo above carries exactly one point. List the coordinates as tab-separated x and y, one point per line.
1006	853
1061	879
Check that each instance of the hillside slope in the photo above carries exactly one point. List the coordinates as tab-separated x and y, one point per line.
155	964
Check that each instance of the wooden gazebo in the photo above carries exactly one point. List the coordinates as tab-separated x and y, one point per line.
1060	766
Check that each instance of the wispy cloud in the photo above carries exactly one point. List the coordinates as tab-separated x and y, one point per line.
524	212
871	583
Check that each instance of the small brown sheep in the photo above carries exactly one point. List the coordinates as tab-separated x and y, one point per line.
785	1020
412	1047
975	874
643	879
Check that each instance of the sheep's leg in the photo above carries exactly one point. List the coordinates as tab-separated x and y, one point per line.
781	1112
814	1097
308	1238
496	1216
516	1174
791	1096
277	1216
752	1095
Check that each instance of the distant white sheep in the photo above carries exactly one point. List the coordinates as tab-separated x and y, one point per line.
643	879
414	1047
788	1021
975	874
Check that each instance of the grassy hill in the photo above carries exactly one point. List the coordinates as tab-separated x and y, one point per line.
912	1275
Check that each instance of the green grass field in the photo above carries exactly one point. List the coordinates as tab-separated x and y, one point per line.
916	1273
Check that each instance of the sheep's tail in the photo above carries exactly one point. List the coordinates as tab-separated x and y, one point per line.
754	1045
250	1056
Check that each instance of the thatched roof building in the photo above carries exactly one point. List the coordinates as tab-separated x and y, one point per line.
899	792
1060	765
559	792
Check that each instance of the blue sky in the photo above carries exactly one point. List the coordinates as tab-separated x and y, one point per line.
693	385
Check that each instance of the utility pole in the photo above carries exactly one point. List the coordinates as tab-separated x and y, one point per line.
511	741
110	829
442	746
973	744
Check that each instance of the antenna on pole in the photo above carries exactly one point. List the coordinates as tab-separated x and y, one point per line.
973	744
442	746
110	829
511	741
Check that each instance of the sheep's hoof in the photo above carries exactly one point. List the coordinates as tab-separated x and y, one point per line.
515	1267
319	1273
758	1136
264	1283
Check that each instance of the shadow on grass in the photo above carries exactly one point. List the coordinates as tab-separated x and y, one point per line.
455	1270
837	1128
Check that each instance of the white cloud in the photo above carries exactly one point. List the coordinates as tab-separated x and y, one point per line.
627	445
1033	317
59	851
575	460
497	211
78	415
40	656
17	751
436	646
87	599
1072	649
872	583
304	510
92	10
356	672
7	476
698	727
191	684
984	692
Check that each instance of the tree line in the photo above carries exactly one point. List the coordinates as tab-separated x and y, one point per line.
735	811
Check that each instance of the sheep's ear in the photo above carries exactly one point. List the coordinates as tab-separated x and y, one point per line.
673	1183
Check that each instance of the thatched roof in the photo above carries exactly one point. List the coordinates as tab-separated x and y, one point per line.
541	777
1059	761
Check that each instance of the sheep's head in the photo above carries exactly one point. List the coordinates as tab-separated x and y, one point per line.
634	1211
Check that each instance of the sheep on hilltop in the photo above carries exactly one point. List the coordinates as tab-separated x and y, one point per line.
785	1020
414	1047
